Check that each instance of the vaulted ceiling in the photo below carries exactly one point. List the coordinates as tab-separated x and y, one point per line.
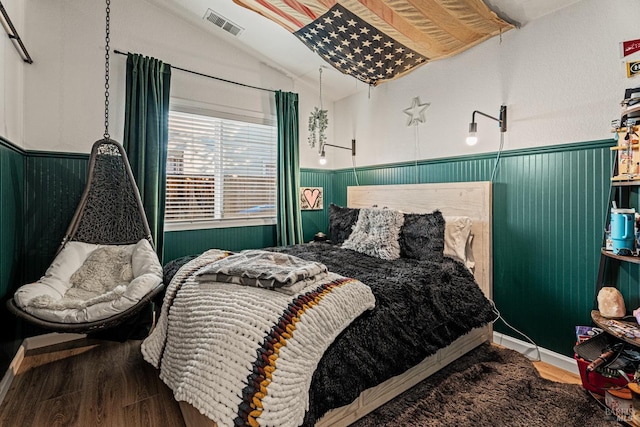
279	48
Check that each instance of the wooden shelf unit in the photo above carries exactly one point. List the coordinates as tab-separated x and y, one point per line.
626	258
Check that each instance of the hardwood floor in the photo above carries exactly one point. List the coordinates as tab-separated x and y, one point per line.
553	373
87	383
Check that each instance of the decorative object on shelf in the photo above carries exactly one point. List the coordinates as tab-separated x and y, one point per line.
630	108
416	112
622	230
318	122
610	303
311	198
627	150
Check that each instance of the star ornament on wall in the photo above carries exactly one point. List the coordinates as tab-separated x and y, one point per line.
416	112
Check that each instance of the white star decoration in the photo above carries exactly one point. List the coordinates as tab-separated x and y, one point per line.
416	112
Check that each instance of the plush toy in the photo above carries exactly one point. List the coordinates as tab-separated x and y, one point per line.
611	303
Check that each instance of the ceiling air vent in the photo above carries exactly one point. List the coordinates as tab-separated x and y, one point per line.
222	22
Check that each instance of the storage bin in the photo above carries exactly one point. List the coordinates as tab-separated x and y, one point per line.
595	381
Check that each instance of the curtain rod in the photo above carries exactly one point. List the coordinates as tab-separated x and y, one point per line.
13	35
206	75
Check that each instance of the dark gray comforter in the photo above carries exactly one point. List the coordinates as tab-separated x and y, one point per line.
421	306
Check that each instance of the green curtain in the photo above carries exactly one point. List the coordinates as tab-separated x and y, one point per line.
289	221
146	134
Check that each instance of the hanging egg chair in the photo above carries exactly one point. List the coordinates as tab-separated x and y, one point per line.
106	269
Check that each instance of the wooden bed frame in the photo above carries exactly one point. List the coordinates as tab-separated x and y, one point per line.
471	199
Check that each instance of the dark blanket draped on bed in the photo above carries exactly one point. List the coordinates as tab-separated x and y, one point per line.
421	307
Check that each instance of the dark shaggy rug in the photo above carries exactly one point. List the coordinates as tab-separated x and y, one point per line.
490	386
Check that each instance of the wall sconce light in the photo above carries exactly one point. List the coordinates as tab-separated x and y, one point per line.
13	35
472	139
323	159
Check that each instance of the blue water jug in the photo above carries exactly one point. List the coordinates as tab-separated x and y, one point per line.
622	230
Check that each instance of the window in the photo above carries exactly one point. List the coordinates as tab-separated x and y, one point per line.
221	171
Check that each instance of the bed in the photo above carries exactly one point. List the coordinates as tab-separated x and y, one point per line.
342	398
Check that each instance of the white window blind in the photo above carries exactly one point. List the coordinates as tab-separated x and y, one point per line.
219	169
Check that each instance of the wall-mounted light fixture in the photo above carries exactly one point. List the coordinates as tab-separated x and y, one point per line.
13	35
323	159
472	139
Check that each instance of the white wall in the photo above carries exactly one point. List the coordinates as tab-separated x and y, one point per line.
64	90
561	77
11	76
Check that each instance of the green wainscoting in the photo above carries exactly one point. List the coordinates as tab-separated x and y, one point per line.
53	186
316	220
192	242
11	243
11	215
549	209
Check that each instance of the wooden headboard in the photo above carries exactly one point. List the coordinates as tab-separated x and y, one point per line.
472	199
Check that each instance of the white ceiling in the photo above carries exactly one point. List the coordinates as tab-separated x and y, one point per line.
280	49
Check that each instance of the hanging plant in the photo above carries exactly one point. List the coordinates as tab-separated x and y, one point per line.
318	122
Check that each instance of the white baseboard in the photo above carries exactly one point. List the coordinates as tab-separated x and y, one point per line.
529	350
31	343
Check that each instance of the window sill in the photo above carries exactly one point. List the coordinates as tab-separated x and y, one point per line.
227	223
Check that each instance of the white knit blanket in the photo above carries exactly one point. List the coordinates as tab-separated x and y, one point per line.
246	355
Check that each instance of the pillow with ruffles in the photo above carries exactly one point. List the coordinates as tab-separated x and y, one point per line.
341	222
422	236
376	233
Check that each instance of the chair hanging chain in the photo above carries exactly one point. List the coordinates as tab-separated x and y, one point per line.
106	75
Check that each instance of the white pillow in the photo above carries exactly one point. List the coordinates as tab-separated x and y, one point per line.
457	240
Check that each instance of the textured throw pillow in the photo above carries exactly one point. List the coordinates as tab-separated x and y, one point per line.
341	222
457	239
422	236
376	233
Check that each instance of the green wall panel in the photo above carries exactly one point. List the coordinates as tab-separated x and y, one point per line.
11	244
53	186
191	242
549	211
316	220
11	216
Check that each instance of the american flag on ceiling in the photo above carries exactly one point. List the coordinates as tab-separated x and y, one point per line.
357	48
380	40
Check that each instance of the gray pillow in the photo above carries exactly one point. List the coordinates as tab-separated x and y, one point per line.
376	233
341	222
422	236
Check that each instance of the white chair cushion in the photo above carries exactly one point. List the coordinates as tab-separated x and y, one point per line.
147	274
